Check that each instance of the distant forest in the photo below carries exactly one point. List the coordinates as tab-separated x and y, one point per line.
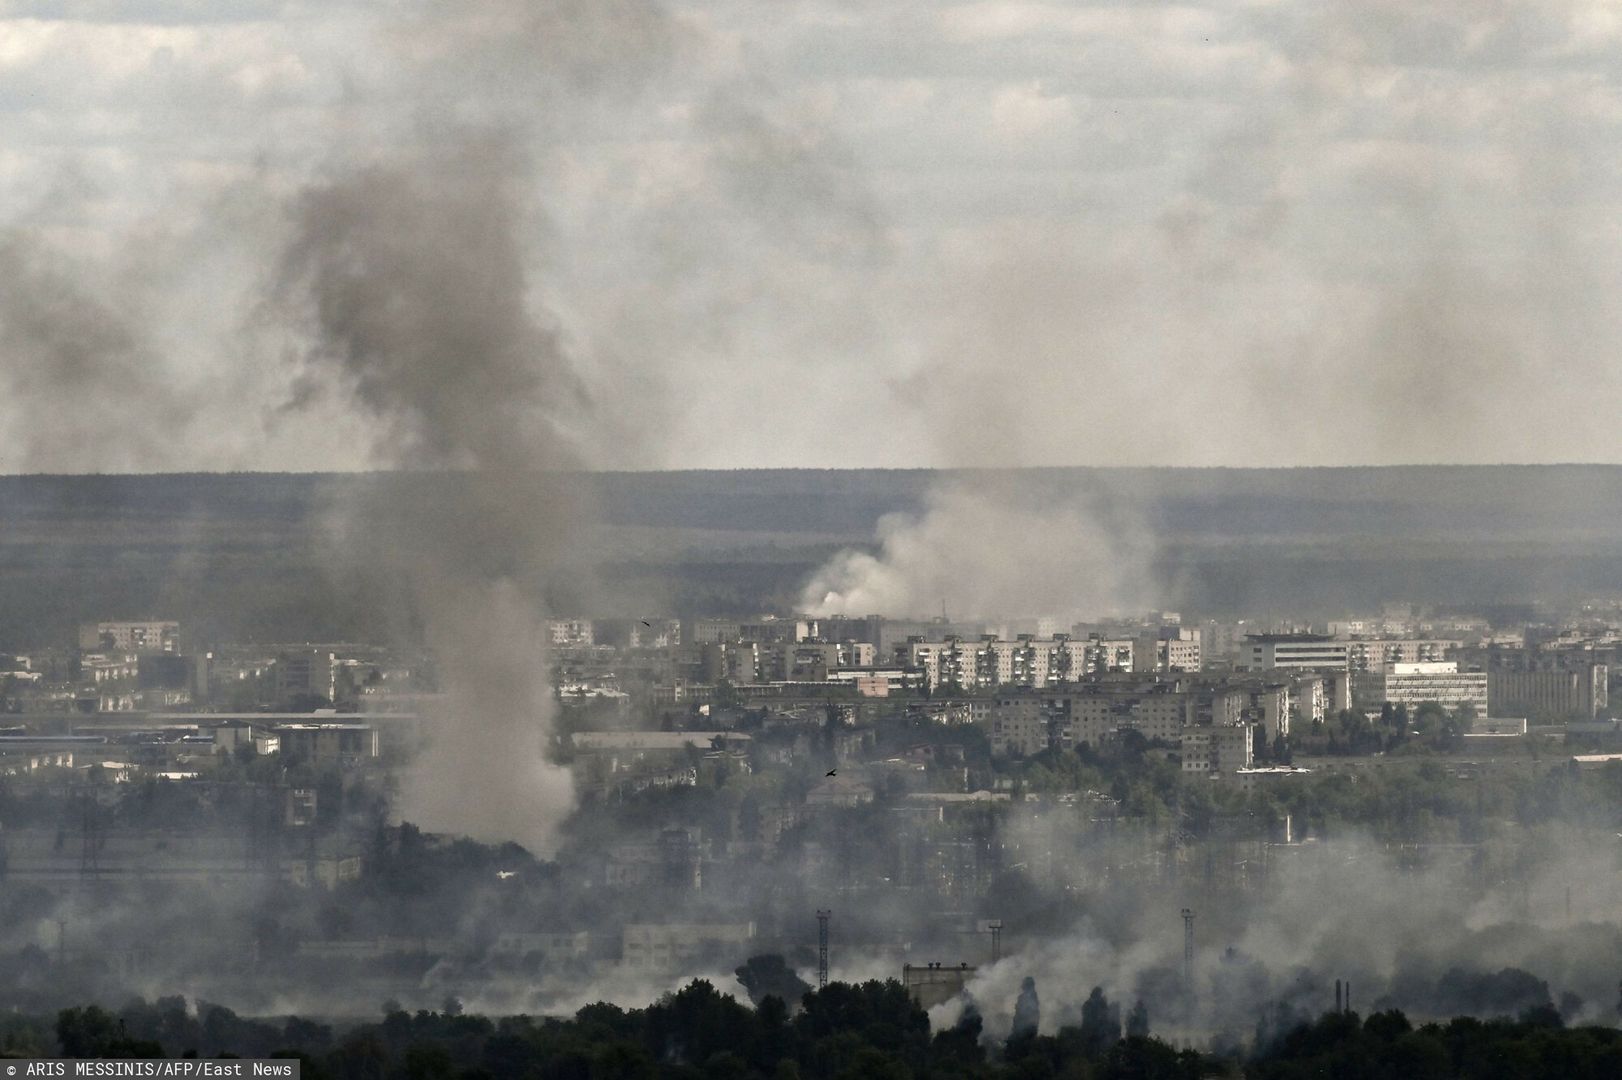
258	556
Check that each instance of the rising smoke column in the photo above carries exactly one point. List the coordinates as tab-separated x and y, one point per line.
414	271
414	286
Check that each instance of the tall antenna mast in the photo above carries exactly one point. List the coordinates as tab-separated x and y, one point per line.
822	948
1188	948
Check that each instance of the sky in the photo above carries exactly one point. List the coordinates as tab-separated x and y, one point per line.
830	234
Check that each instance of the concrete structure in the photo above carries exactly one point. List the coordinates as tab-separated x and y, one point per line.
1157	712
1217	748
1025	661
877	682
935	984
554	947
131	635
1373	654
1266	652
1317	695
676	947
18	761
306	674
1413	685
1023	724
761	630
1579	694
1159	707
1168	649
674	859
329	744
1102	655
565	632
1269	702
206	859
231	735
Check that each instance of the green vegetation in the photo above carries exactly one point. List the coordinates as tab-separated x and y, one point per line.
1401	797
870	1030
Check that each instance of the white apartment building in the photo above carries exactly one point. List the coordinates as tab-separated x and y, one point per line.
1372	655
1171	648
1029	662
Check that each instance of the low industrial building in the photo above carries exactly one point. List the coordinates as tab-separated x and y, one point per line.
935	984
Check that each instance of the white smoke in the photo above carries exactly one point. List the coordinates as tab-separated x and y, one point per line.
986	545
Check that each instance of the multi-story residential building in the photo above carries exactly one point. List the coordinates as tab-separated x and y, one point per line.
565	632
1160	709
1025	661
842	628
131	635
953	662
1224	642
1168	649
764	629
1222	703
811	661
1314	696
1101	655
1216	748
1023	724
306	674
1373	654
1158	712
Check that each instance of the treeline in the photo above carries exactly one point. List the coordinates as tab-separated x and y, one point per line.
1408	798
842	1032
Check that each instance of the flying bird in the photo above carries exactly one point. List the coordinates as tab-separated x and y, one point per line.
832	771
647	624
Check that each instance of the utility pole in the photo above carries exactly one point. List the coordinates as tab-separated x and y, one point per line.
822	948
1188	949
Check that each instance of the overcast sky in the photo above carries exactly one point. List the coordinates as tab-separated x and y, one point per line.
843	233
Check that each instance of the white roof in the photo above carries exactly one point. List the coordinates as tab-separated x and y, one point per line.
651	740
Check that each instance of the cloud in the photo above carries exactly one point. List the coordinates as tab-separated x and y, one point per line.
1227	219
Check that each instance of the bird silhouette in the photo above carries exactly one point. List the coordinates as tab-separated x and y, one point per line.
831	772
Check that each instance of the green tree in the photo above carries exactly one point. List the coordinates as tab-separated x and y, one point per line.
769	975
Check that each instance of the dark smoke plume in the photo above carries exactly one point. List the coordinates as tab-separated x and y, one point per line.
416	293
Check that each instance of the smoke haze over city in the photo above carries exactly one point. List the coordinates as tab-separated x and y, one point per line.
984	538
